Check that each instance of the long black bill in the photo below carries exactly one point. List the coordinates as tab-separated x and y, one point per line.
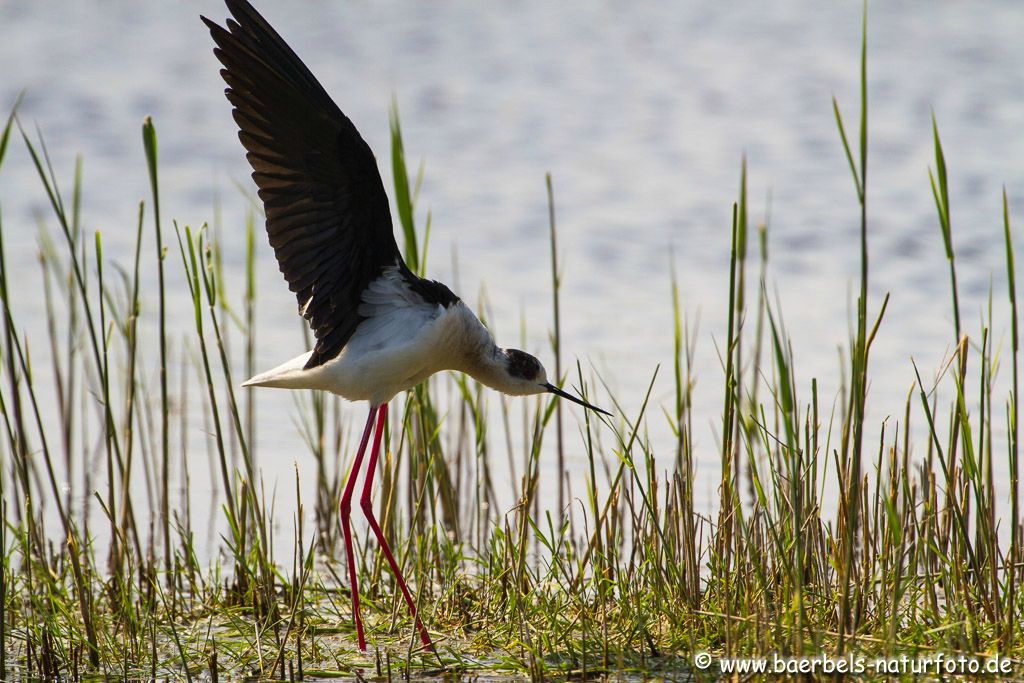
552	389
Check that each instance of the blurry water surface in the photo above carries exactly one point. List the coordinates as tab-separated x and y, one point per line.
642	113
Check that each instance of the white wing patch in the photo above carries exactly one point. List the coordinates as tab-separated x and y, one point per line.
394	313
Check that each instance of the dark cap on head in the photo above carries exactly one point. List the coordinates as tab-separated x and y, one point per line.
522	364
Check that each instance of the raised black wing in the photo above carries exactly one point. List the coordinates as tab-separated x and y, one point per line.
327	213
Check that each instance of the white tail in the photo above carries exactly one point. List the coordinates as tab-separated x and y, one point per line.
287	375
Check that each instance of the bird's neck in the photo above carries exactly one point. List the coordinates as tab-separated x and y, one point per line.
490	370
480	357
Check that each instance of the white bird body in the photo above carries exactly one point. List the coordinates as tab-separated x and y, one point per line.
402	341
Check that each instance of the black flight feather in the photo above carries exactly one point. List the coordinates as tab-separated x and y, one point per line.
328	217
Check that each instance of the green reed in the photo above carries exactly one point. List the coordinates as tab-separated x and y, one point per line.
915	554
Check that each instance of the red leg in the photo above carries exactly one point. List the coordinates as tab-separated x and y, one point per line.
364	502
345	510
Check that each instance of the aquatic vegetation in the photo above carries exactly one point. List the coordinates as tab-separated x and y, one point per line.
915	553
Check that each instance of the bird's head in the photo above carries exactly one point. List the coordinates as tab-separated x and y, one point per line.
527	376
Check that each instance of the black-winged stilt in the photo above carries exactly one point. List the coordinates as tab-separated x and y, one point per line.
379	328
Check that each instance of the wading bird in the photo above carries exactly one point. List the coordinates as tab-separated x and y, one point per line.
379	328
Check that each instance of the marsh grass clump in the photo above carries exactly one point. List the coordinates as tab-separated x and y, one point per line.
102	573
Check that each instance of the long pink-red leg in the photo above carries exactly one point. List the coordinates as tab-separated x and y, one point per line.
345	510
364	502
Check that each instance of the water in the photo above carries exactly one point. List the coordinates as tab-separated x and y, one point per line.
642	115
